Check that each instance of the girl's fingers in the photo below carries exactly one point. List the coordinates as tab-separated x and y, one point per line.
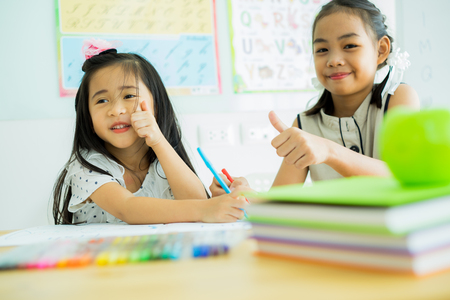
215	190
217	184
139	115
280	140
239	190
302	162
294	156
239	202
235	184
224	178
239	181
285	149
144	106
141	123
237	214
143	133
229	219
144	123
276	122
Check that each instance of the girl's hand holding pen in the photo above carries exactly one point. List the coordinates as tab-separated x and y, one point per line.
225	208
298	147
221	182
144	123
217	190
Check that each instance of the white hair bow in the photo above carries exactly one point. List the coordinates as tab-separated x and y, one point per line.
398	63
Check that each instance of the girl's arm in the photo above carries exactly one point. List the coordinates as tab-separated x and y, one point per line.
301	149
404	95
349	163
183	182
289	174
122	204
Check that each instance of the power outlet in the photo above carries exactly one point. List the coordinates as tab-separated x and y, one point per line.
216	135
260	182
252	134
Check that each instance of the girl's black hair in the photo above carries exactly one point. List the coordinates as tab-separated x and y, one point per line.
374	21
86	139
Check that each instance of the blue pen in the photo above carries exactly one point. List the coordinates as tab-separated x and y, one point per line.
216	175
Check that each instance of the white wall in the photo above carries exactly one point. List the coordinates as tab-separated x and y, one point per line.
33	149
424	33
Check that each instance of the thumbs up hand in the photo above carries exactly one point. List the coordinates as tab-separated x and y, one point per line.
276	122
298	147
144	123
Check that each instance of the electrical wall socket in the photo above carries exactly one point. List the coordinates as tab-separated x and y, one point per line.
260	182
252	134
216	135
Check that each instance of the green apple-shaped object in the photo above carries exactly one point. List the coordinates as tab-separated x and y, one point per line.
416	145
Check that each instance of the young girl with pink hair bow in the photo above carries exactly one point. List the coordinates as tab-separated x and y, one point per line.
128	162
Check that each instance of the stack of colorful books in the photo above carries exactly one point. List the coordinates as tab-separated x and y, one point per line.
365	222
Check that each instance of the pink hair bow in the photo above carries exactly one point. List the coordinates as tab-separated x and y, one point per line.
94	47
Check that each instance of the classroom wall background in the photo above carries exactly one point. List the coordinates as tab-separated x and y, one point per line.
35	147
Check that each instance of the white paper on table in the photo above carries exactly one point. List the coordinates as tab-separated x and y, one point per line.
55	232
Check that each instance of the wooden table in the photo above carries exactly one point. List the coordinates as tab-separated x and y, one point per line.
238	275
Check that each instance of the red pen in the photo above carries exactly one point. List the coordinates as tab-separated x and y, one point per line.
230	179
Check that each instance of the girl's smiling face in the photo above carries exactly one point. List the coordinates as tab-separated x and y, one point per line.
346	56
113	97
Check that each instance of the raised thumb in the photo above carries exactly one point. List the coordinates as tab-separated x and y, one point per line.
276	122
144	106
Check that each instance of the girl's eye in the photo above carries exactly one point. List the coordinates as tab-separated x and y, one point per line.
102	101
129	96
350	46
322	50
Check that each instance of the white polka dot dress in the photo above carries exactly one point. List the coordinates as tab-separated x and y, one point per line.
84	182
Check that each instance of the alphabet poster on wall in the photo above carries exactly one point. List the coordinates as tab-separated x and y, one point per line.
272	44
178	37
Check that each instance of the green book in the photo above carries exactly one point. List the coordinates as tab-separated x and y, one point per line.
359	204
